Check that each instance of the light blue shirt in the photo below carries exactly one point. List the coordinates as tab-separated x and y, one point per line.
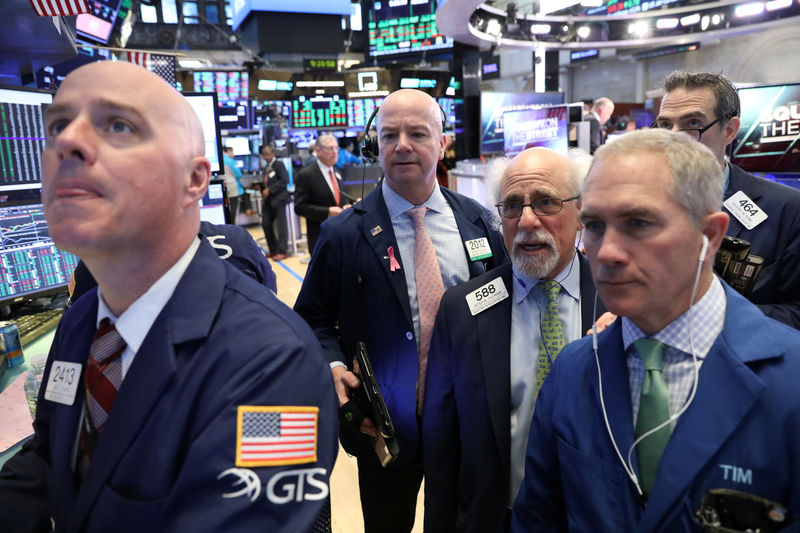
236	172
440	223
709	319
529	304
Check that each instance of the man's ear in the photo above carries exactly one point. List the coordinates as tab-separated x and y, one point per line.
198	179
730	130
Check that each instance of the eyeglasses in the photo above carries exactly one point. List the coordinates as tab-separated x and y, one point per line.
541	207
694	133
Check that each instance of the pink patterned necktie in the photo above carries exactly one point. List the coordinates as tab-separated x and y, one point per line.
335	187
102	379
429	291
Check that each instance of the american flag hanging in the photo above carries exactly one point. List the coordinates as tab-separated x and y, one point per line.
280	435
62	8
161	64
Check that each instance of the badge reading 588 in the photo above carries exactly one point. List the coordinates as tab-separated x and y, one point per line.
486	296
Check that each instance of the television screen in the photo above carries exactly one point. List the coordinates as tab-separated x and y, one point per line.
269	110
495	104
359	111
212	204
97	25
229	85
545	127
403	26
205	105
769	135
240	145
319	112
449	107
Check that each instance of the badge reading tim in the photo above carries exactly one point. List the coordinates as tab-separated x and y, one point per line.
276	435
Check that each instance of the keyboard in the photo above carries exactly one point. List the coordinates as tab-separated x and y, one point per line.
33	326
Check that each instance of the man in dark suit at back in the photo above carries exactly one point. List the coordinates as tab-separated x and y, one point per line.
494	340
273	211
598	116
317	189
706	107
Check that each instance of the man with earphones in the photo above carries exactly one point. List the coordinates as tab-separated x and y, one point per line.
376	276
494	340
692	390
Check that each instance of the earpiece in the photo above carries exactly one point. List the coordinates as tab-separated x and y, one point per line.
369	147
704	249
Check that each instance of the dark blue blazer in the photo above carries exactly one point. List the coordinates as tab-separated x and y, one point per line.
351	294
777	240
741	432
221	341
466	426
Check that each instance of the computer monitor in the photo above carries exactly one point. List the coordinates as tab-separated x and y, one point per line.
205	105
213	204
495	104
544	126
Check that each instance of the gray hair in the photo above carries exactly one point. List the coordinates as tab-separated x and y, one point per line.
579	163
727	98
321	140
602	102
697	180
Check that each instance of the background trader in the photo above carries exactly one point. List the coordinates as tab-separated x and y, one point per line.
377	275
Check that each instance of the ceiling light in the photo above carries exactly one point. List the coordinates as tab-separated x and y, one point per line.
716	19
666	23
639	29
704	22
748	10
493	27
190	63
584	31
541	29
326	83
692	19
777	4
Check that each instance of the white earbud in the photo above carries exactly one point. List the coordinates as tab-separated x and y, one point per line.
704	249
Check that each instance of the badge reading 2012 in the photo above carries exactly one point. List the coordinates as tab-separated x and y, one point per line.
486	296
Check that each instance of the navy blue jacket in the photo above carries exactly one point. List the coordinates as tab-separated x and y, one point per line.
350	248
741	432
777	240
466	426
163	461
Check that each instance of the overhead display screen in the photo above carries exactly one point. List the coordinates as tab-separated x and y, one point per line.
229	85
319	112
495	104
404	26
242	8
769	135
359	111
97	25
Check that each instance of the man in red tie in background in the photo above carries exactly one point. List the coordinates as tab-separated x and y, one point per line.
317	189
377	274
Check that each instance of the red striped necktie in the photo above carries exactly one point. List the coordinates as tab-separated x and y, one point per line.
102	379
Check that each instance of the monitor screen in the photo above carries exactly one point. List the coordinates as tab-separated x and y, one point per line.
205	105
404	26
240	145
769	135
21	142
545	127
228	84
495	104
212	205
234	115
30	264
359	111
242	8
319	112
97	25
269	110
448	105
302	138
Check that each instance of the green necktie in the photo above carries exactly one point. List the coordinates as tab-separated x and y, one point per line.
552	338
653	410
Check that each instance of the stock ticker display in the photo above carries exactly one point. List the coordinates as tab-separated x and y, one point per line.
29	261
402	26
359	111
229	85
21	143
319	112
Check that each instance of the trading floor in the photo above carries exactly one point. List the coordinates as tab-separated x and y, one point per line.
345	504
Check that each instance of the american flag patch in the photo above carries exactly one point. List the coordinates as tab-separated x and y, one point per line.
276	435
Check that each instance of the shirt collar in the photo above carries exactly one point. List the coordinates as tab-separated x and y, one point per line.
727	175
325	169
709	319
569	279
135	322
397	205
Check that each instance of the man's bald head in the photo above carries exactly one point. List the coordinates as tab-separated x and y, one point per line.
422	101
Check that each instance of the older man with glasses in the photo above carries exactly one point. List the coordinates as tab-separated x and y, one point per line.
494	341
706	107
